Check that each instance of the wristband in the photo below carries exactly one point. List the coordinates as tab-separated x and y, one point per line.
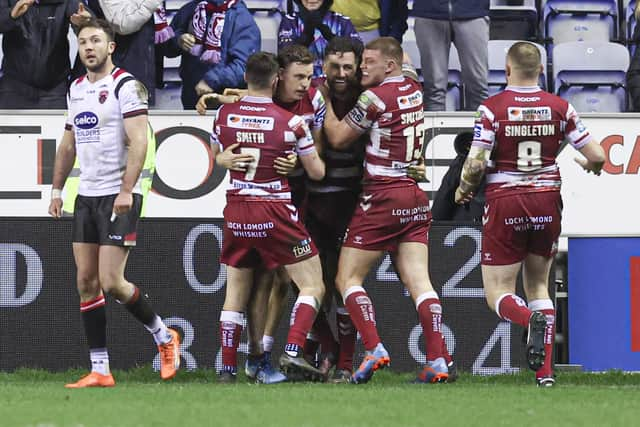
56	193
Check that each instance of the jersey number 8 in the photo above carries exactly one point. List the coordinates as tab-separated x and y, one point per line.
529	155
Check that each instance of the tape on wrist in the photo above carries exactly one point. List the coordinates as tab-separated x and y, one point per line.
56	193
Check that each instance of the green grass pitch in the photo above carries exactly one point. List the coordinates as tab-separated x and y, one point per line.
140	398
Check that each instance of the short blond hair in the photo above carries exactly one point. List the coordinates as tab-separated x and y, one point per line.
389	47
525	59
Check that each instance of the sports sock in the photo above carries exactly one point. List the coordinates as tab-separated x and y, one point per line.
363	315
513	308
139	306
302	317
99	360
94	320
347	339
545	306
430	315
267	343
230	332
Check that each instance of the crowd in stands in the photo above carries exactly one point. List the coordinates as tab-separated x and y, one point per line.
201	46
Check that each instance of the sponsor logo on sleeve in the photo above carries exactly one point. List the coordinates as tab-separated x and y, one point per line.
477	131
580	126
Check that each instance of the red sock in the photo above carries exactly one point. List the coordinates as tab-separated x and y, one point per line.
549	338
363	316
430	314
513	308
302	317
322	328
347	341
230	332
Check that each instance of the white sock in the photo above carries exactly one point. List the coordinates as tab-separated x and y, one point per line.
159	331
99	361
267	343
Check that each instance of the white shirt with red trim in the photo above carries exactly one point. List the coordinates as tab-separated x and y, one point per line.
96	113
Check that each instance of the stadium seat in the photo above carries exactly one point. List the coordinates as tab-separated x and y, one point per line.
568	21
513	20
497	59
591	75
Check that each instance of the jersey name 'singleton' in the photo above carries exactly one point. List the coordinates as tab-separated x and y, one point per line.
530	130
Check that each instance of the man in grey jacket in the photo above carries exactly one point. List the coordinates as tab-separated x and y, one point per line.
466	24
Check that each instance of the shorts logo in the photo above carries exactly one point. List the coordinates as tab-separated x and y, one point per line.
410	101
487	256
366	204
357	240
85	120
102	96
237	121
534	114
302	248
115	237
485	217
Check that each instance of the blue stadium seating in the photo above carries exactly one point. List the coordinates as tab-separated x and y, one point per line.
568	21
591	75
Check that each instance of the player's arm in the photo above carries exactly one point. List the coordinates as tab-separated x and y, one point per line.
306	150
472	173
135	129
594	157
340	134
65	157
211	101
580	138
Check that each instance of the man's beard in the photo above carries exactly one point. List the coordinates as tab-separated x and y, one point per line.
97	67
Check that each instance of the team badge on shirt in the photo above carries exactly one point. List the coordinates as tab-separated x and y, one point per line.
102	96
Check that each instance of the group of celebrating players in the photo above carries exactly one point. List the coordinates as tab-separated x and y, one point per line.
323	182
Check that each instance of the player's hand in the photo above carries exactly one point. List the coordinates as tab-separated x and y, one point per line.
462	198
324	90
201	106
123	203
202	87
82	16
232	161
586	165
232	91
186	42
418	172
21	8
285	165
55	207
